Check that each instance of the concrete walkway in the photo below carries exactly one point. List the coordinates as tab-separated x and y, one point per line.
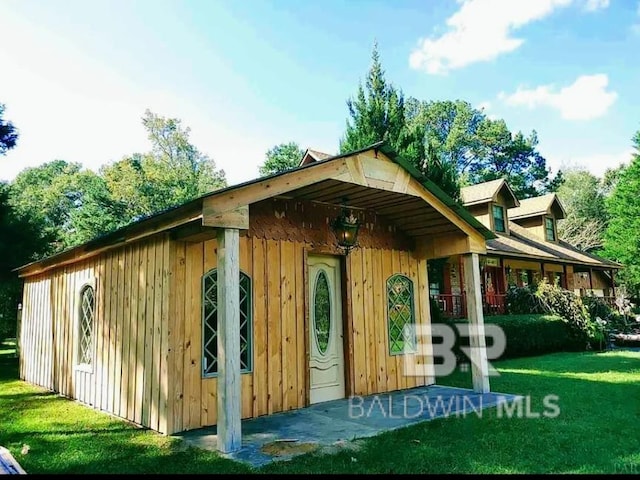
332	424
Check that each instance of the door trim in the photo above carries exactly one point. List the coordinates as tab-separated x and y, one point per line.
347	349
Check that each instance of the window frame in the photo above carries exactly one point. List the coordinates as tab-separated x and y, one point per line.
249	315
553	228
78	365
414	346
500	208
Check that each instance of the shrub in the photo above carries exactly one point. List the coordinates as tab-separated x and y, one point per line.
535	334
552	299
526	335
522	301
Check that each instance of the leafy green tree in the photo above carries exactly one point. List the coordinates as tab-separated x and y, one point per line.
48	188
174	172
21	241
449	127
281	158
610	179
582	196
8	133
480	148
513	157
622	237
70	205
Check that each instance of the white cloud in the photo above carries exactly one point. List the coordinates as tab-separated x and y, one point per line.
594	5
479	31
584	99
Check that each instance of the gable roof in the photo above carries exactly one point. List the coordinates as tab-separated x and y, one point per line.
521	243
542	205
311	156
191	211
488	192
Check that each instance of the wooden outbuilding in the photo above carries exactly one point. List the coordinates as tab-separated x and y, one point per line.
241	303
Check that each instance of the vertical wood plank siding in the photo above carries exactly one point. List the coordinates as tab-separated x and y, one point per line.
278	380
130	335
148	329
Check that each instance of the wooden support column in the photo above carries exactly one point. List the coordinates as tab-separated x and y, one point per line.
477	342
229	381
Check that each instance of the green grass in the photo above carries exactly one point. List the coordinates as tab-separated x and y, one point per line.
595	432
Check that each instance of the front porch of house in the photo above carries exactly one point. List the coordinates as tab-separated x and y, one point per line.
447	287
329	324
330	425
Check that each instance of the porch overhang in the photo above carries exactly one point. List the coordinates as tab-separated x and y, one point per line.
373	178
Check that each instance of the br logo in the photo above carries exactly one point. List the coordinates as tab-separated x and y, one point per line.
477	353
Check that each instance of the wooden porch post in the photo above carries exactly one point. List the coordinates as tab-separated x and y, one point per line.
229	382
479	365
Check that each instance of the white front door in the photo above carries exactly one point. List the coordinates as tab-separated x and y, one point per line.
326	359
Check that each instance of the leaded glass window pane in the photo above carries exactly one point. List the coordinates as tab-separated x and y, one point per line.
210	323
87	317
401	316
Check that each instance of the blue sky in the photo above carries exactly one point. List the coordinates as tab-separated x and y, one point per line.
76	76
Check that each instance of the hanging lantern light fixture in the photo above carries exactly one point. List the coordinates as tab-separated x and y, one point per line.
346	227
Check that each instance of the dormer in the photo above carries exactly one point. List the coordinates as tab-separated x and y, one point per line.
311	156
490	202
540	216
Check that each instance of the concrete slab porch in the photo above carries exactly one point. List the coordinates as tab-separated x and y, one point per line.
337	422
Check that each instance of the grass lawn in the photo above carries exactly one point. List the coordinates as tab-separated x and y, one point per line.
596	430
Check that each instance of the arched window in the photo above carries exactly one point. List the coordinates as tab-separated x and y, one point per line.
401	315
210	323
85	325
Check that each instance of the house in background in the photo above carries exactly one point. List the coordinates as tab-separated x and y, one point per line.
242	303
525	250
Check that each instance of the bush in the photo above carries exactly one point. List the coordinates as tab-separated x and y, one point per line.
535	334
522	301
554	300
526	335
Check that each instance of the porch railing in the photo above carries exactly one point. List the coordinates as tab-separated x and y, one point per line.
455	306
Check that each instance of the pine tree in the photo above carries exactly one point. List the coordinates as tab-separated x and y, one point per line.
378	113
622	237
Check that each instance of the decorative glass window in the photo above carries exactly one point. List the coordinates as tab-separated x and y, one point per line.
322	312
87	320
550	229
210	323
498	218
401	315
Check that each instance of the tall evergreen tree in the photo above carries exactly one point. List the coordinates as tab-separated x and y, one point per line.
378	113
622	237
